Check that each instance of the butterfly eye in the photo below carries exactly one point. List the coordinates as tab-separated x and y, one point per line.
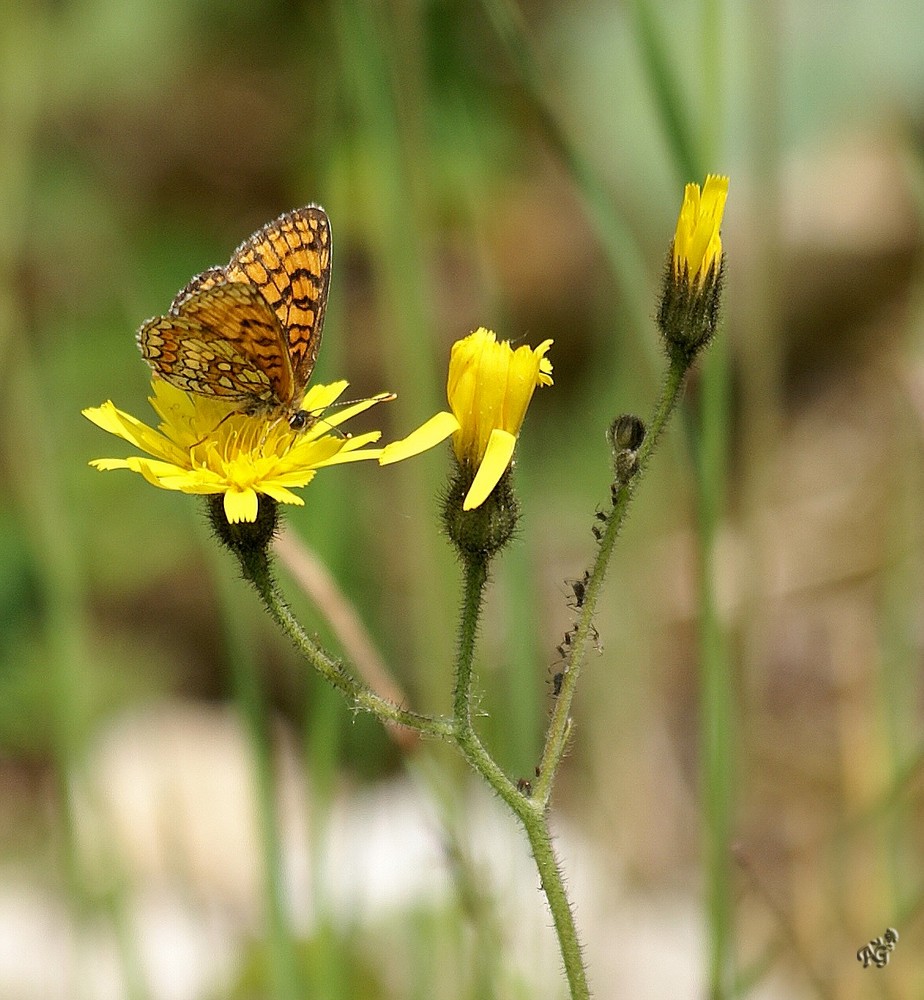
299	420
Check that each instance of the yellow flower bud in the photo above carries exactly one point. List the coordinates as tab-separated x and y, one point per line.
689	310
697	248
490	386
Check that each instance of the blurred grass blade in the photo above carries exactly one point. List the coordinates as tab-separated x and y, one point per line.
668	93
622	246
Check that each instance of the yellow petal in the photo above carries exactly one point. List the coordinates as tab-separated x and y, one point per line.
240	505
160	474
545	366
524	375
496	459
360	441
435	430
697	241
360	406
108	464
153	471
345	457
297	478
282	495
319	396
127	427
331	450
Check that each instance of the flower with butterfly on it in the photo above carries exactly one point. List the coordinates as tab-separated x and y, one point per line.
203	446
231	360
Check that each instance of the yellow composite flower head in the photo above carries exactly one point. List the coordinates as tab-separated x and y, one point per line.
697	247
489	388
204	446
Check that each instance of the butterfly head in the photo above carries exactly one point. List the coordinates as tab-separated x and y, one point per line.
301	419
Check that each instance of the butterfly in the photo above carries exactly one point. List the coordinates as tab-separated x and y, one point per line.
249	332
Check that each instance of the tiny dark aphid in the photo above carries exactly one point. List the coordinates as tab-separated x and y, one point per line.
580	589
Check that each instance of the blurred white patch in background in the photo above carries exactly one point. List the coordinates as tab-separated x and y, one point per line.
168	824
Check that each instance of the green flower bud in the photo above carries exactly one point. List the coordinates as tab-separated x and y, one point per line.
481	531
691	292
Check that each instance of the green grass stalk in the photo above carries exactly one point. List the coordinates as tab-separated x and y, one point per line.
387	96
622	248
37	489
255	714
322	744
695	156
667	91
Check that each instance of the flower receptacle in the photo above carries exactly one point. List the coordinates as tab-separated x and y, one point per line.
482	531
248	540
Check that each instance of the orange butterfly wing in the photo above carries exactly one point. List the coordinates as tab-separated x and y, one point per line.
272	329
289	260
224	341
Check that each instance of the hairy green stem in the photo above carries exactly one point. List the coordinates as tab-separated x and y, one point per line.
256	569
540	839
527	810
559	726
459	730
535	823
530	809
464	735
476	576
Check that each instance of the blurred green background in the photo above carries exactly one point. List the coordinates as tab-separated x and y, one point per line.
519	168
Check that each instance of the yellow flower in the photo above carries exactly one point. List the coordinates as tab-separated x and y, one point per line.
697	248
204	446
489	389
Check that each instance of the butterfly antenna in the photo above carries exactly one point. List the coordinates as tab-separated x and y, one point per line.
313	420
208	434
